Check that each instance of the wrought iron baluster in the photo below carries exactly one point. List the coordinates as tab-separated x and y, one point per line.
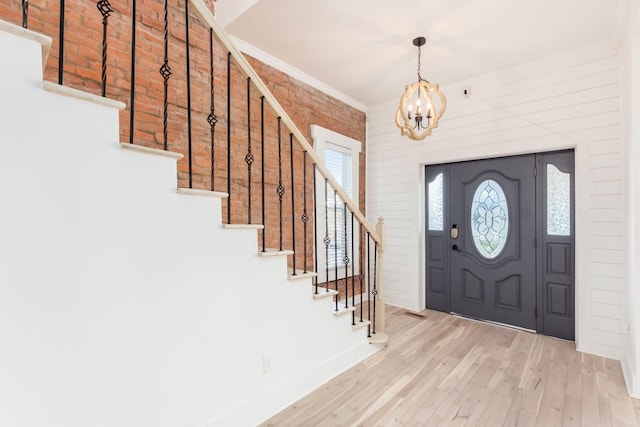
374	292
211	118
264	224
327	239
105	9
61	43
248	158
188	71
361	275
345	259
25	13
293	206
353	274
315	228
132	102
228	137
368	284
305	216
280	188
165	72
335	243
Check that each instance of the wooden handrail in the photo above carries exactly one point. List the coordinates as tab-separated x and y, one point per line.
224	38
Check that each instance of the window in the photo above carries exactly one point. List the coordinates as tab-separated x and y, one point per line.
489	219
341	156
436	204
558	202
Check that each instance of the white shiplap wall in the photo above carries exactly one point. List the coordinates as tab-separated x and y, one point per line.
570	100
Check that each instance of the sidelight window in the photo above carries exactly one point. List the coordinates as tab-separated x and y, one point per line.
558	202
436	203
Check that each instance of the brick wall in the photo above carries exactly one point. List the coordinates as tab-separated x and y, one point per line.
306	105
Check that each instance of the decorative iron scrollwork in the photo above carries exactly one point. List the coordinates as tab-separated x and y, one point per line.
249	160
105	8
165	71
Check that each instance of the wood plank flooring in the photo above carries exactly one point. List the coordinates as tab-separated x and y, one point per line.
442	370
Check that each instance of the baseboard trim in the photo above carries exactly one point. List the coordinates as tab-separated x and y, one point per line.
630	379
273	401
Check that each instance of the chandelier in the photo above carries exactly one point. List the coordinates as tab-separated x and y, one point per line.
421	105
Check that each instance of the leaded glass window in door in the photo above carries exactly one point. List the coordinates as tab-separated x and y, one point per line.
489	219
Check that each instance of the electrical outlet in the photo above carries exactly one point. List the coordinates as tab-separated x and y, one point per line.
266	363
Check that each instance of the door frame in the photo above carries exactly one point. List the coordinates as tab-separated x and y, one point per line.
581	237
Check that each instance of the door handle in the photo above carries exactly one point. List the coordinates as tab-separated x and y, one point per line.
454	247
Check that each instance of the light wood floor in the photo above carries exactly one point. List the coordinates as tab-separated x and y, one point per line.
442	370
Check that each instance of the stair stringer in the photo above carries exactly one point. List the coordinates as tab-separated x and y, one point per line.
124	303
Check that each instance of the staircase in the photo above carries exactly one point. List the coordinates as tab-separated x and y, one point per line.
125	300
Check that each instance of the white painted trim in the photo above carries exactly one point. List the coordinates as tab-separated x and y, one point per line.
631	381
321	137
296	73
282	395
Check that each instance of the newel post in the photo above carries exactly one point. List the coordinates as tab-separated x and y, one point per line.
381	315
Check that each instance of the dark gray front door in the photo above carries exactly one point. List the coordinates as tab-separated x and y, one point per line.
500	241
493	269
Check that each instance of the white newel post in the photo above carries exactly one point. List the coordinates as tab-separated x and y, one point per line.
380	325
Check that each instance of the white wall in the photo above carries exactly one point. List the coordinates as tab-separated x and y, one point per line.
571	100
123	303
631	114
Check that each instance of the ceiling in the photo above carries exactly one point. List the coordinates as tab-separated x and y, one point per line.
363	48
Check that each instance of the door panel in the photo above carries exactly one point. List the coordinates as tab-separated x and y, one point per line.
556	270
493	271
437	240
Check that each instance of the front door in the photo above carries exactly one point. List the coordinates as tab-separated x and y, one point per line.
493	269
499	241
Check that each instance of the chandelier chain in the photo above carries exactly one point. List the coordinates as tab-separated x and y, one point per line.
419	59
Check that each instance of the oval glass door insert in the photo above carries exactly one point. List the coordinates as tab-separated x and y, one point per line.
489	219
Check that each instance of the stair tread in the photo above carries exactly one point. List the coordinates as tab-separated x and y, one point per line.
300	274
243	226
154	151
360	325
80	94
202	193
275	252
323	293
343	310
